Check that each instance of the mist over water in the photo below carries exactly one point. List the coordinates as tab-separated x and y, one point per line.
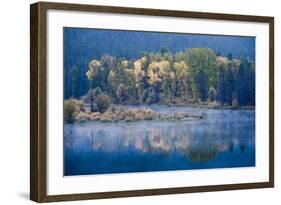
222	139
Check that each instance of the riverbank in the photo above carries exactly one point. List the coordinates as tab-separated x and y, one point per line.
207	104
122	114
213	106
77	111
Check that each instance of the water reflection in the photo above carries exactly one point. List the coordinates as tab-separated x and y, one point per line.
222	139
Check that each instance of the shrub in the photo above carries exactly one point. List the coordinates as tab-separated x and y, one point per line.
103	102
70	110
79	105
95	116
82	116
105	119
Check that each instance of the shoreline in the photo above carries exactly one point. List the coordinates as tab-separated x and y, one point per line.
122	114
142	112
193	118
220	107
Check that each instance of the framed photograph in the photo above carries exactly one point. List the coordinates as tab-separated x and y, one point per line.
135	102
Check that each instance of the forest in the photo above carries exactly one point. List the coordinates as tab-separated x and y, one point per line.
194	75
82	45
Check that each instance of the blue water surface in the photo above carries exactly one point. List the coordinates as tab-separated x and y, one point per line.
222	139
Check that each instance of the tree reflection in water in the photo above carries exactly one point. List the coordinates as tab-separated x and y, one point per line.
159	145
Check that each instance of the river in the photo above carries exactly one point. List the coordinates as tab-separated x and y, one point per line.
222	139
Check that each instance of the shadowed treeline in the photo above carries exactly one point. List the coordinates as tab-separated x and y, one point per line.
137	67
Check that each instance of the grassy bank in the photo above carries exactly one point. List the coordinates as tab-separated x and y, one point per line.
77	111
74	111
131	115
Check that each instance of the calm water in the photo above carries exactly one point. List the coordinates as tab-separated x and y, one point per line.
223	138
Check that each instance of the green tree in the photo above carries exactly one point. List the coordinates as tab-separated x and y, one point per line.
182	78
221	85
113	82
180	56
246	83
203	70
201	81
94	66
230	84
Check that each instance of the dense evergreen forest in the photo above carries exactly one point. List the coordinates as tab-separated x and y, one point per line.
144	67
